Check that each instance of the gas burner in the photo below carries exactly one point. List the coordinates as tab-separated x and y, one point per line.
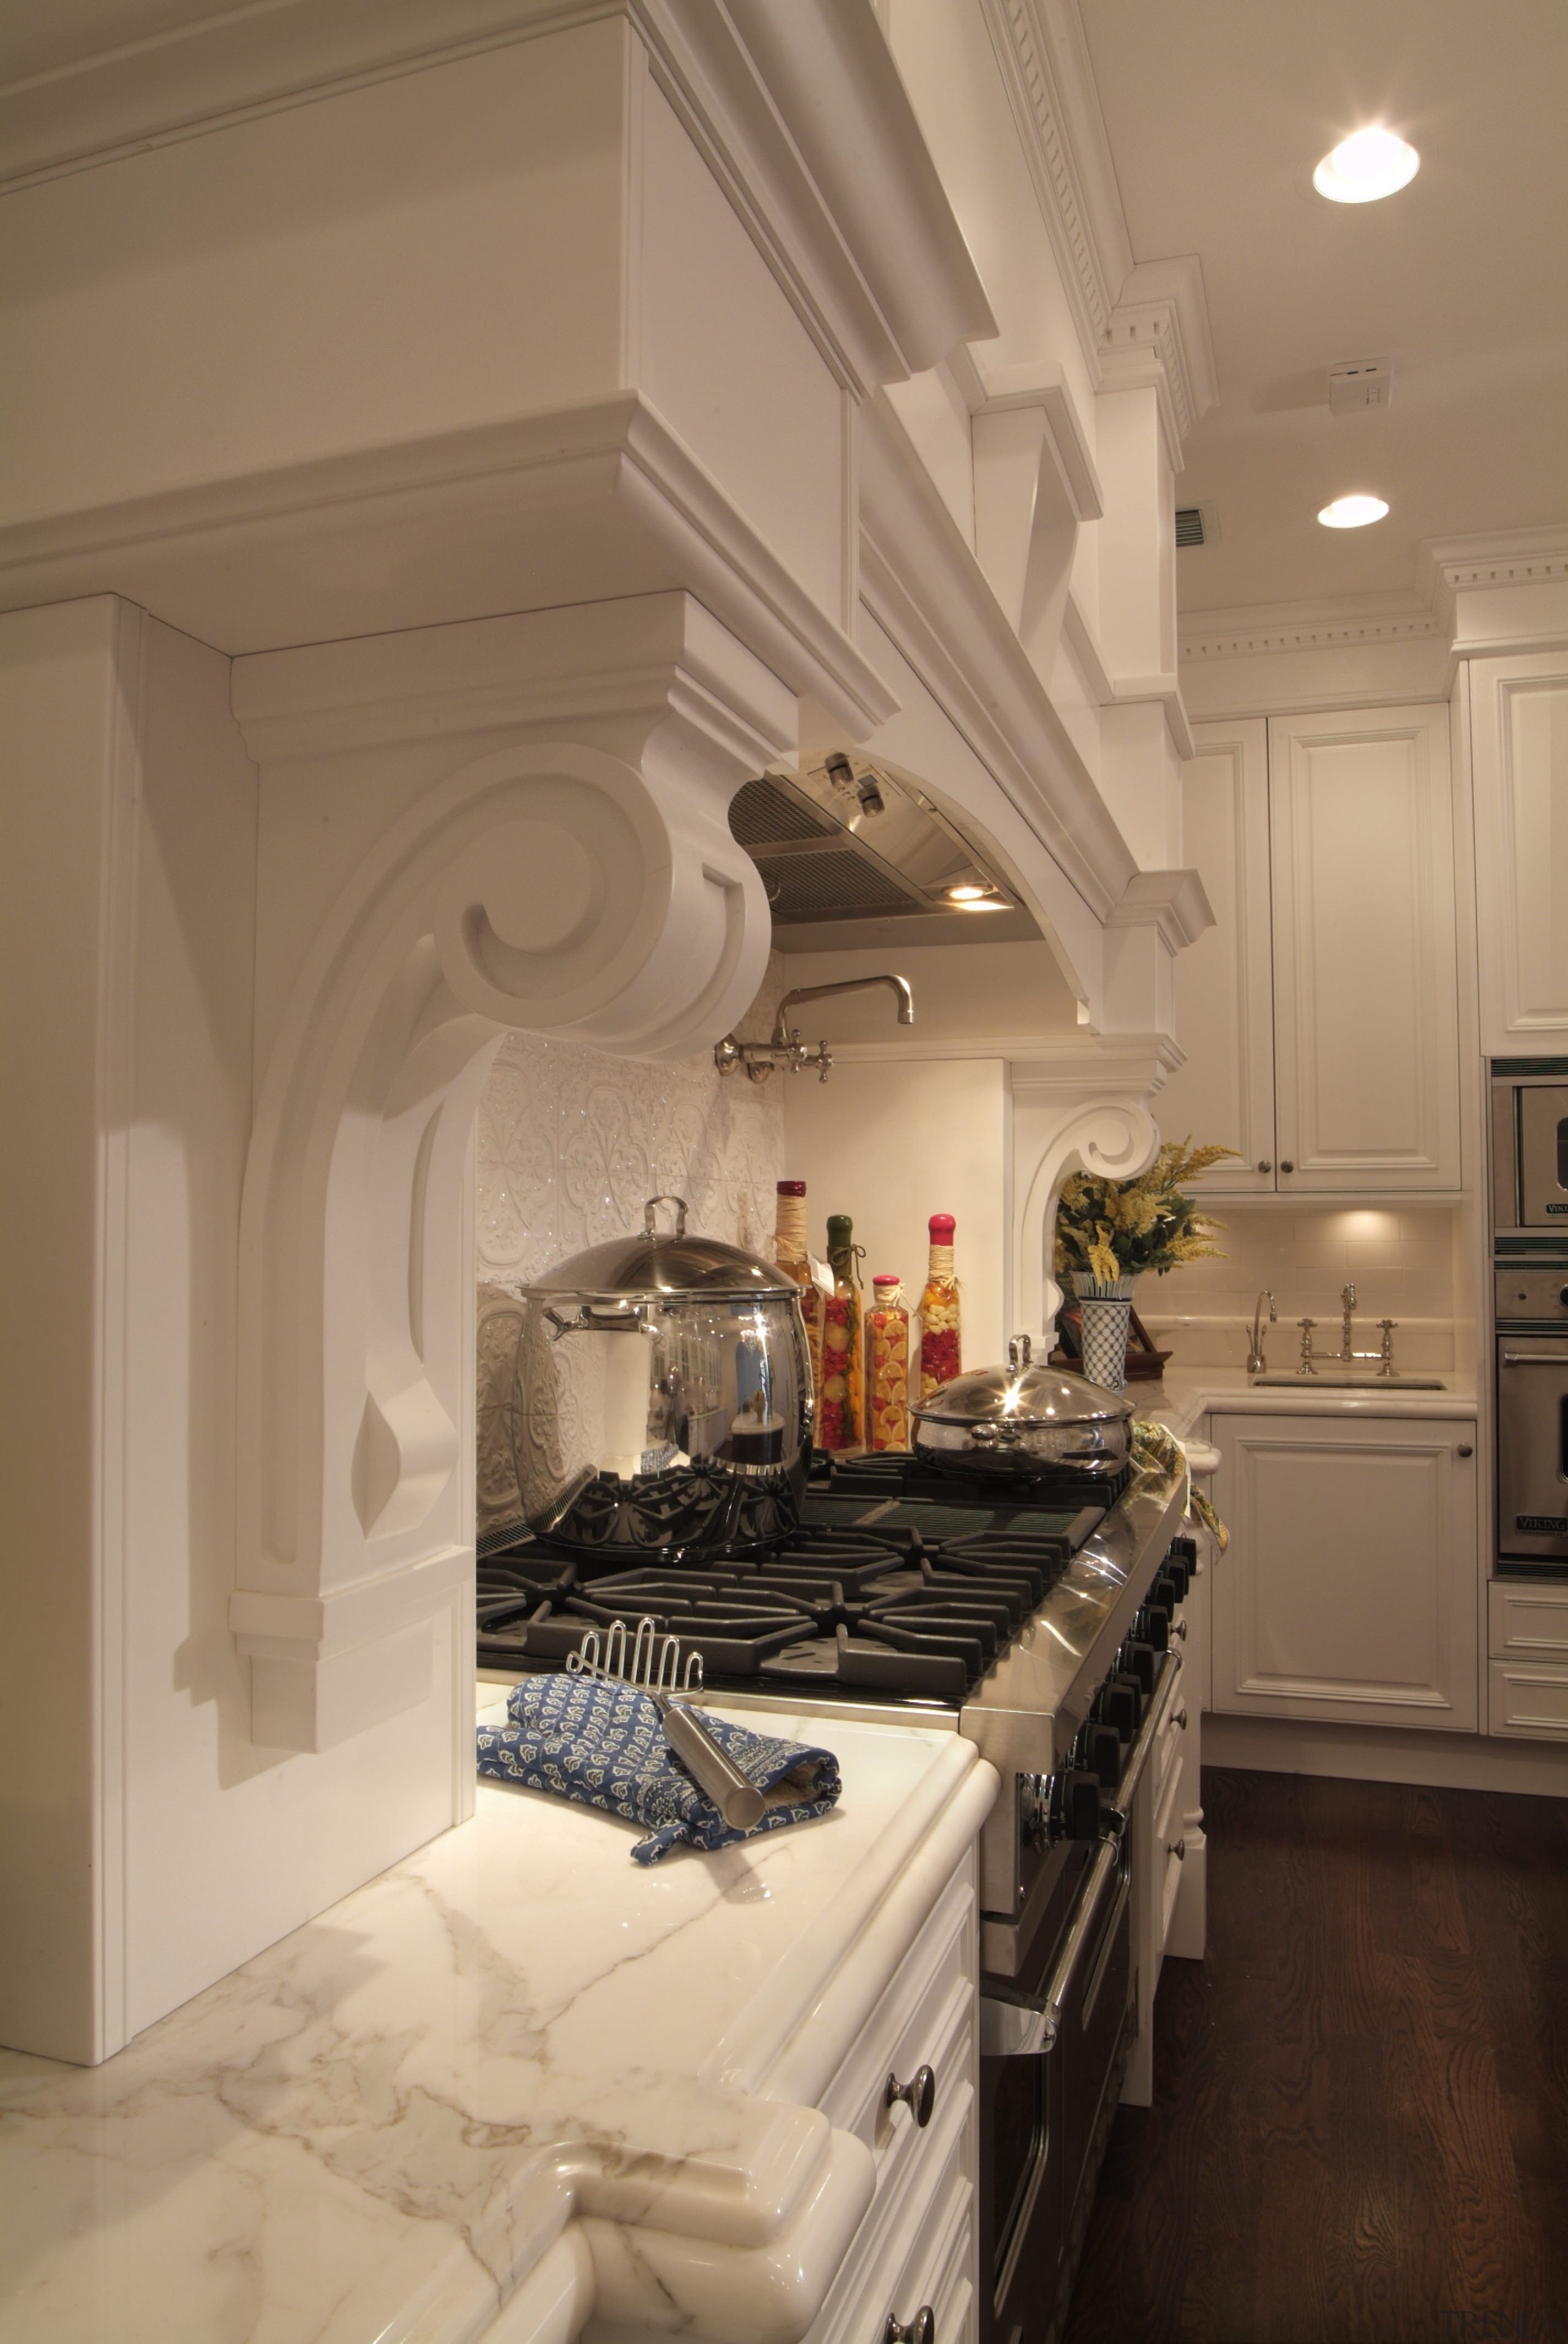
660	1514
898	1473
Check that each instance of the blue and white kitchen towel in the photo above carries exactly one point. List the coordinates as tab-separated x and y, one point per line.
603	1745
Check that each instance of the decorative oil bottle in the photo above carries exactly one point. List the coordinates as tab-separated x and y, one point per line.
792	1252
839	1421
942	1353
887	1365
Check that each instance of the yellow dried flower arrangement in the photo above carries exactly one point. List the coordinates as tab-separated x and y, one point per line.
1112	1230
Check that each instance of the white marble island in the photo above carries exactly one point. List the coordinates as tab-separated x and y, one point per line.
515	2087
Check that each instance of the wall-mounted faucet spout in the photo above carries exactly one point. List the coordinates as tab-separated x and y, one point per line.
786	1048
850	985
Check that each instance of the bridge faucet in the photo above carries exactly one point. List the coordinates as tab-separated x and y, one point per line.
1256	1363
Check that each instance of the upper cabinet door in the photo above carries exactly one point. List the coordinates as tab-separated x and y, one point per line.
1519	755
1366	1028
1224	982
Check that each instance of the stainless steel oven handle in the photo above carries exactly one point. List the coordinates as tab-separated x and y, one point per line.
1104	1869
1120	1804
1534	1358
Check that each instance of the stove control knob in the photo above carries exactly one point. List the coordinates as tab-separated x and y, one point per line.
1080	1805
1137	1659
1162	1595
1183	1549
1154	1628
1178	1576
1120	1704
1103	1754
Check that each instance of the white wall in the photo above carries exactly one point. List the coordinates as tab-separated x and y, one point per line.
890	1145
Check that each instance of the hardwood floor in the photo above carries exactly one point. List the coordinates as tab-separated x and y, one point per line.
1360	2126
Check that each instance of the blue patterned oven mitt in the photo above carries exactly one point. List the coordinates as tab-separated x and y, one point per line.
603	1745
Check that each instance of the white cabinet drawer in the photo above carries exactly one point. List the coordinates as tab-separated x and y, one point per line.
907	2029
1527	1619
915	2244
1529	1698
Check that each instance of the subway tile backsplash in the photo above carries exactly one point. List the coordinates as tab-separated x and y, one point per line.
1401	1263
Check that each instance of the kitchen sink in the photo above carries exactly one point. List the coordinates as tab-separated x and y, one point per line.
1329	1380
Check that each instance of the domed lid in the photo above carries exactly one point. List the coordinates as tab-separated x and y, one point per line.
1022	1394
646	1266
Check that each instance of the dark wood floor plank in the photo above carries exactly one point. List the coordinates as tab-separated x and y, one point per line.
1360	2127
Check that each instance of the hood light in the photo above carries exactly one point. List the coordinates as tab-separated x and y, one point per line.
1353	513
1364	169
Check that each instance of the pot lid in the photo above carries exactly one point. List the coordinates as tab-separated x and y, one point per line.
1022	1394
652	1264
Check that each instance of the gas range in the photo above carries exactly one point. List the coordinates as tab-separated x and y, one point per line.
1015	1614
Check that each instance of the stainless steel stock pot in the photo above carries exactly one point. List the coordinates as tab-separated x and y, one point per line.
663	1398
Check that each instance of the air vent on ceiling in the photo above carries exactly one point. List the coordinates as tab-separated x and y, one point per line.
1189	528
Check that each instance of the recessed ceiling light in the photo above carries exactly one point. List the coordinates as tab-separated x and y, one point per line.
1353	513
967	894
1363	168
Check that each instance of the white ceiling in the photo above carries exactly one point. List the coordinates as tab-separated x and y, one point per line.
1216	111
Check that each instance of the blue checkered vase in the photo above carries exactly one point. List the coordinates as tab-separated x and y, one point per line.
1105	1306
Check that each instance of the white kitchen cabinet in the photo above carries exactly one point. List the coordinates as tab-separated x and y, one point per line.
1348	1592
1519	758
1225	980
1169	1851
1321	1017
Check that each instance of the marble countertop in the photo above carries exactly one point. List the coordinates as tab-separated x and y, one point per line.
1186	1395
515	2061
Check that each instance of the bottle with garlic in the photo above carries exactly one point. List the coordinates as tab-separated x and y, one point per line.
792	1253
888	1365
941	1349
839	1418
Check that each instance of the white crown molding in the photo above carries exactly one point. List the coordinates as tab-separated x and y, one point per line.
922	583
1158	334
1001	391
1174	902
1326	625
801	114
1045	69
1445	569
573	506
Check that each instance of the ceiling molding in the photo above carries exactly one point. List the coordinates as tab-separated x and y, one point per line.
1174	902
1445	568
1045	69
1326	625
922	583
1161	319
1042	383
812	134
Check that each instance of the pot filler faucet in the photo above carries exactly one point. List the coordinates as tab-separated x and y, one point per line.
786	1047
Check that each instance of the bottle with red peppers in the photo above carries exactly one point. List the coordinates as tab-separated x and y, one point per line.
887	1365
940	1351
839	1418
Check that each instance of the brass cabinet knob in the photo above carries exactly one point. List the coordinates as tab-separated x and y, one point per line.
1179	1627
1265	1164
1182	1720
1286	1165
921	2330
1180	1851
1465	1449
919	2095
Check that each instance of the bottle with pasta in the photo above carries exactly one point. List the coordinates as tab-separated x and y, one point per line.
887	1365
792	1252
941	1357
839	1418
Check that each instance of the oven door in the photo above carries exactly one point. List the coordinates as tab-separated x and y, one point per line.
1544	1156
1532	1445
1050	2069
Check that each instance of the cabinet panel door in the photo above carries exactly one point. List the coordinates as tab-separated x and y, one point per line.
1224	982
1366	1010
1519	755
1349	1589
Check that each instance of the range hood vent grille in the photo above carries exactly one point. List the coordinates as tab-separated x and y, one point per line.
761	815
836	884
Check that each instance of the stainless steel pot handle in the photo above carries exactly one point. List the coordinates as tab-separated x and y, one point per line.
680	1212
1020	1350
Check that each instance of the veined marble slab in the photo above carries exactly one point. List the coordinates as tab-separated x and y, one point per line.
515	2069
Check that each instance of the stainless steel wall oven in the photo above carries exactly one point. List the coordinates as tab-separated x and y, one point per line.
1530	1265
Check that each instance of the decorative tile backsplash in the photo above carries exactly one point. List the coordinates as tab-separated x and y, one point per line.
1401	1263
571	1144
